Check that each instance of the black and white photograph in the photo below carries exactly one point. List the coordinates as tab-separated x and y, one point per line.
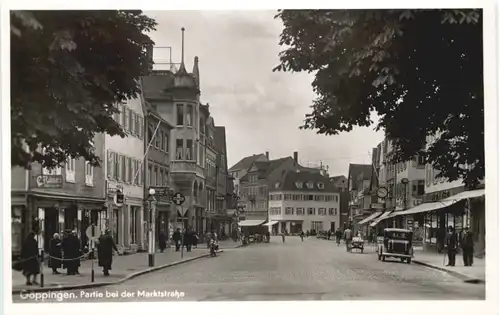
243	155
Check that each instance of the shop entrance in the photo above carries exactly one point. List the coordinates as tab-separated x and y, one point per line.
50	226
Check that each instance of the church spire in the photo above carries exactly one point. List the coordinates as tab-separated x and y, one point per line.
182	69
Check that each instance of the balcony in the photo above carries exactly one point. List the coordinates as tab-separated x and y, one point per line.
187	167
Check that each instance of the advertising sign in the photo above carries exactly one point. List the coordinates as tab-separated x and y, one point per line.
49	181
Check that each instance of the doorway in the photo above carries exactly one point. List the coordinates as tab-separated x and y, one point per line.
332	226
50	226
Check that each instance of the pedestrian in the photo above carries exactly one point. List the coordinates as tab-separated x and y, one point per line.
283	236
29	256
78	251
302	236
348	238
176	236
189	239
105	247
71	251
329	234
467	244
162	241
338	236
55	253
307	233
451	244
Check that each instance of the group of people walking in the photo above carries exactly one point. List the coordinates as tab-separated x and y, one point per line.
466	242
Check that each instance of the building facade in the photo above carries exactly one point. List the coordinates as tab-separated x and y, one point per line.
241	168
359	189
301	201
49	201
224	195
211	173
124	172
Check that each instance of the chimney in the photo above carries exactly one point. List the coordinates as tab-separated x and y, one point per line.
296	157
267	155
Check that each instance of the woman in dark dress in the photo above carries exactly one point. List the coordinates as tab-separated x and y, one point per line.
55	252
162	241
29	254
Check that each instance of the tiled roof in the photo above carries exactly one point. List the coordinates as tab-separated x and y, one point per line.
154	85
246	162
265	168
288	182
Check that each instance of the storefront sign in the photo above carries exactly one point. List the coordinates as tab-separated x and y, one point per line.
49	181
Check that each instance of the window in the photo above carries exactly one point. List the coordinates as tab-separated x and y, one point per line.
322	211
300	211
421	187
178	149
89	174
118	174
277	185
165	177
141	127
150	175
127	170
319	198
139	174
310	185
328	198
133	172
157	142
297	197
126	119
311	211
133	224
123	162
52	171
335	211
180	115
111	165
421	159
330	211
116	115
189	116
321	185
309	197
155	176
288	210
132	122
122	107
165	141
189	150
160	180
298	184
288	196
70	170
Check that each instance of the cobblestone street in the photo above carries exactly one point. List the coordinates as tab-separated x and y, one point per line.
309	270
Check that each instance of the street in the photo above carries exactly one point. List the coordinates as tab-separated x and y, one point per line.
309	270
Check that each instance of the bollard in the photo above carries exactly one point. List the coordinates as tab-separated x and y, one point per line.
41	269
93	256
182	247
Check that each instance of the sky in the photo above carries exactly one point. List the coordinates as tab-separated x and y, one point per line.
261	110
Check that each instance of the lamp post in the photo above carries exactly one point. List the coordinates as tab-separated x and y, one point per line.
151	247
405	182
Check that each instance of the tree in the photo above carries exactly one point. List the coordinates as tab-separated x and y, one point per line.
421	71
68	70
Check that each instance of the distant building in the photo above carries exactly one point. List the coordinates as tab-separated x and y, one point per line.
340	182
359	188
301	201
240	169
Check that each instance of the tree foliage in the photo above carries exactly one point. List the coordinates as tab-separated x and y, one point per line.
420	70
68	69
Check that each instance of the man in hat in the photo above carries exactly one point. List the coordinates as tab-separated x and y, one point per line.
105	248
467	244
71	250
451	245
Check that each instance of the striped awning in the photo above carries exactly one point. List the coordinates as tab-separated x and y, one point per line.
380	218
251	222
370	217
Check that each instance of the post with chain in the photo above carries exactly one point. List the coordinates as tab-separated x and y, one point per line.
41	268
92	276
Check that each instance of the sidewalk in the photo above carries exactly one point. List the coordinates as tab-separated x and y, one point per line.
124	268
472	274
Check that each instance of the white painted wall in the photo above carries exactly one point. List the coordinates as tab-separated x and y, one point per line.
306	219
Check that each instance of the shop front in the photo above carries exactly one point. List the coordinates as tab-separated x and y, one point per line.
19	223
162	221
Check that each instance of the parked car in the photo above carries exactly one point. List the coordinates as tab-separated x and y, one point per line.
396	243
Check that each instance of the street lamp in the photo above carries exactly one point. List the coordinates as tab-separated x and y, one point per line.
151	247
405	182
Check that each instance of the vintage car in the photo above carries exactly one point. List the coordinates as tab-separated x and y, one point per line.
396	243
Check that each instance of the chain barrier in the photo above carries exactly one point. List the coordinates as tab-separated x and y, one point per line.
24	260
69	259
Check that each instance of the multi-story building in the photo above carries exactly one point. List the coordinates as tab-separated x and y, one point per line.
359	188
340	182
211	177
301	200
124	173
255	184
157	169
223	195
54	200
175	96
240	169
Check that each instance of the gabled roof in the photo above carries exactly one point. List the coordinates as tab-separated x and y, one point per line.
220	139
246	162
265	168
355	170
289	180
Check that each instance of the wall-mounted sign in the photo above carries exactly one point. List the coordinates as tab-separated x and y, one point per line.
49	181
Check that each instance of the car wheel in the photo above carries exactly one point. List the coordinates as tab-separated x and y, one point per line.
379	257
409	260
383	258
361	251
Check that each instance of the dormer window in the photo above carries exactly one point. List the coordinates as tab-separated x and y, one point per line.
321	185
310	185
298	184
277	185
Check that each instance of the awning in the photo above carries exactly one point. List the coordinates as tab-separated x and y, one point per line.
251	222
380	218
466	195
370	217
271	223
425	207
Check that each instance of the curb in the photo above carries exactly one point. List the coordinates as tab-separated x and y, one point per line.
102	284
458	275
